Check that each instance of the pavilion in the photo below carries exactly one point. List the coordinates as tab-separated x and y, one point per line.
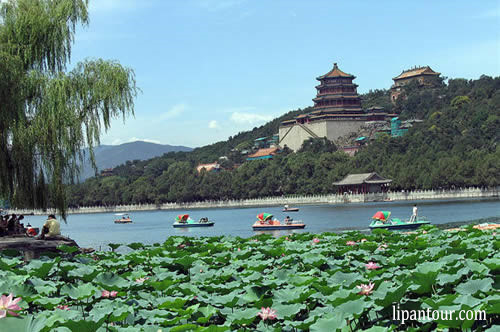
363	183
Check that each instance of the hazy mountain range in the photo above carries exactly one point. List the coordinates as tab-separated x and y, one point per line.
109	156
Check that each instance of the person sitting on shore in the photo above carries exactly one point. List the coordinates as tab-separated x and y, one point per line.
51	228
3	226
11	224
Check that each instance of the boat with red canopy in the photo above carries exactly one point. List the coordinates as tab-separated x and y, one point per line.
183	221
266	222
382	219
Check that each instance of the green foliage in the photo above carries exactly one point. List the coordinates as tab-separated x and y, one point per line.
318	145
48	115
455	146
211	285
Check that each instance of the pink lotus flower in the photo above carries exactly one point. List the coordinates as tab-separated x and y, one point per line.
8	305
316	240
366	289
382	246
286	239
106	293
350	243
283	255
372	266
62	307
239	249
267	313
141	280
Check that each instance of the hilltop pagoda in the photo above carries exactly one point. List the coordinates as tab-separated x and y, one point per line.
336	94
424	76
336	112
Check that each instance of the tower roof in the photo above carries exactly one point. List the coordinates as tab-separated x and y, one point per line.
336	72
416	72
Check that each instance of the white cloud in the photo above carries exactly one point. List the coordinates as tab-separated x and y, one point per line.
249	118
213	124
174	111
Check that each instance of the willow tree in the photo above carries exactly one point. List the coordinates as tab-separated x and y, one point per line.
48	115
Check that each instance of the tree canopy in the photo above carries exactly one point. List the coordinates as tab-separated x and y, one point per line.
47	113
455	146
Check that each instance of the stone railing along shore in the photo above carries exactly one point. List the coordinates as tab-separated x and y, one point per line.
452	194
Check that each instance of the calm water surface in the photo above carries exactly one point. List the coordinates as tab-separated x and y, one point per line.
97	230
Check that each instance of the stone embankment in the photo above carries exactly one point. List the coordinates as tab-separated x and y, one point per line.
455	194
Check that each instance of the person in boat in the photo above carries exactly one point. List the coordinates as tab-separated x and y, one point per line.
51	228
413	217
203	220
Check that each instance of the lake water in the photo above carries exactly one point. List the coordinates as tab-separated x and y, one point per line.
97	230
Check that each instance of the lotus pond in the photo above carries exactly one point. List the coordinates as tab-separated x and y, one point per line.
348	281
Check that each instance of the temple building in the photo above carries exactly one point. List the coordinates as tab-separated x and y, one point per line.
362	183
337	112
266	153
425	76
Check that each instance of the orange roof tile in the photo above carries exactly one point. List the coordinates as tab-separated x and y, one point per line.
263	152
336	72
416	72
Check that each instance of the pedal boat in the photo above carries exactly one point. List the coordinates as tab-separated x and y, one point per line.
265	222
382	220
183	221
125	219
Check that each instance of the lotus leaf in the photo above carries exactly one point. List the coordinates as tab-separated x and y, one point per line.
328	324
78	292
472	287
111	281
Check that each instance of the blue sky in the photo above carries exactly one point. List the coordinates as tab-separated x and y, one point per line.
209	69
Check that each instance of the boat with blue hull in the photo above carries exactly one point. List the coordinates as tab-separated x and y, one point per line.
183	221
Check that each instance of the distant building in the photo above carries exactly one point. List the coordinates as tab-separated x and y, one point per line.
266	142
350	150
107	172
425	76
363	183
213	167
337	112
397	128
267	153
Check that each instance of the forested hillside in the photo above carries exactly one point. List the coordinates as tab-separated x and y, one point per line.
455	146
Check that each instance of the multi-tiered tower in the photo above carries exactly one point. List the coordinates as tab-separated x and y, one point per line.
337	94
336	113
